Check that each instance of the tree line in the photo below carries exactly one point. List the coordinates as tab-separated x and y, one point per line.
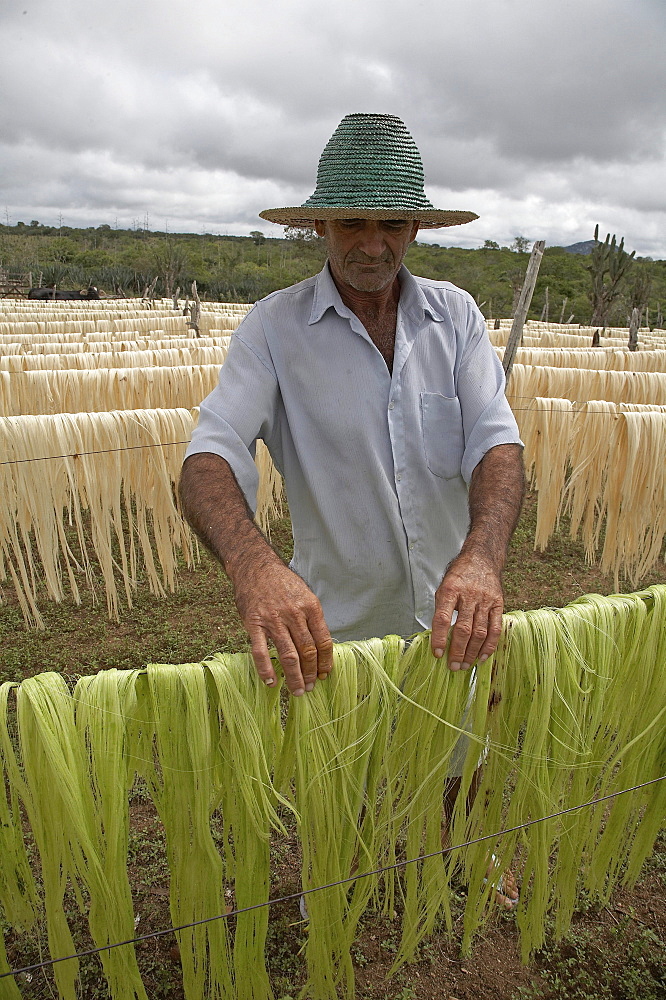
601	288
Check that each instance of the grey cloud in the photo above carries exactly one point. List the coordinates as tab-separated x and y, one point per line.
148	107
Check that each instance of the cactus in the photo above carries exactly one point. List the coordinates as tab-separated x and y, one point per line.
608	264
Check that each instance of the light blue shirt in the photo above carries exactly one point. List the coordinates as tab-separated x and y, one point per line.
376	465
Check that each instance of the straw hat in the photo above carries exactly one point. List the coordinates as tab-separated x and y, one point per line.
370	169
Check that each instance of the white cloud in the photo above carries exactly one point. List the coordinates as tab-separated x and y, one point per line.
545	117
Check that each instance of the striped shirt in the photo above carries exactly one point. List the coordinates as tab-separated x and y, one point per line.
376	463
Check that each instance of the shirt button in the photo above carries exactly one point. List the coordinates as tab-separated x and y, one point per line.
398	478
391	405
411	546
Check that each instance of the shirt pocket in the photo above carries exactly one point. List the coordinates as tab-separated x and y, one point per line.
443	436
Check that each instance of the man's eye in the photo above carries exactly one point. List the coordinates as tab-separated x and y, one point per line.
395	225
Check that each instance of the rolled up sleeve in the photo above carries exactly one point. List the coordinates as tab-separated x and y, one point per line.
232	417
487	417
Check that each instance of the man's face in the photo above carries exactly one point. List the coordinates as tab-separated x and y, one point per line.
366	254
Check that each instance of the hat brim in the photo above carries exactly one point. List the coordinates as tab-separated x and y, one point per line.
304	217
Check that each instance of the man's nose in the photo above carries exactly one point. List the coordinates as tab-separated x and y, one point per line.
372	240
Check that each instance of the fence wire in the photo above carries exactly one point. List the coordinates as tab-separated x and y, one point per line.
330	885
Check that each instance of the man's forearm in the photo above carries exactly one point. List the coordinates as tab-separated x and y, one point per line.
275	604
495	500
215	507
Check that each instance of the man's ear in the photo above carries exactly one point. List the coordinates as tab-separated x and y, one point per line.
320	227
415	229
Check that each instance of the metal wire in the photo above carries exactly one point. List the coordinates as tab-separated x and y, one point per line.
330	885
102	451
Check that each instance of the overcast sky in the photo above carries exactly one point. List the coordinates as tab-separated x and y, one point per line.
543	116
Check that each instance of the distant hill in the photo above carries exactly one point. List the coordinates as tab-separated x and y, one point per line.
583	248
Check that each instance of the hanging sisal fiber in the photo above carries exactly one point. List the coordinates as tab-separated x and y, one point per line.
56	346
603	464
89	499
361	764
581	385
591	358
77	390
114	359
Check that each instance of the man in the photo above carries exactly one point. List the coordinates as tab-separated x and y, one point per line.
381	400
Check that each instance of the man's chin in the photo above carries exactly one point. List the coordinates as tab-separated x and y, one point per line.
368	280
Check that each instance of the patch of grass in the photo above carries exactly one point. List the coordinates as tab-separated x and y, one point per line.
623	963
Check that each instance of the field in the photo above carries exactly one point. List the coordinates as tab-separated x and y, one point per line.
616	950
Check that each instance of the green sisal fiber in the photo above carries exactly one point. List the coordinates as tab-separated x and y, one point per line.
18	895
181	777
571	707
339	735
245	723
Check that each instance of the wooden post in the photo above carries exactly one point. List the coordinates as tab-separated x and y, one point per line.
516	335
195	311
544	311
634	323
564	305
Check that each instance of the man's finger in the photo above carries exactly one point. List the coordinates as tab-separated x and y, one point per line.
261	656
322	638
477	637
441	623
306	651
290	660
460	637
494	632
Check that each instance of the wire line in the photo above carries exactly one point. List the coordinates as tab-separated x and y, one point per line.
330	885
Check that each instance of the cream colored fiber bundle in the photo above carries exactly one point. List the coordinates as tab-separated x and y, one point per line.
603	464
171	356
593	358
96	390
88	499
581	385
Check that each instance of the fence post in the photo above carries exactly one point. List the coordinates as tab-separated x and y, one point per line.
634	324
195	311
516	335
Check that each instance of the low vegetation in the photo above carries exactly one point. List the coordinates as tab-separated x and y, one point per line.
243	269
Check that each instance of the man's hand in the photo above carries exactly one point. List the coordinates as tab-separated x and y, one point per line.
276	605
472	585
473	589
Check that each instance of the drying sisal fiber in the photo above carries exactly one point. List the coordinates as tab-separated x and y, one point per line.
89	498
361	764
75	390
581	385
603	464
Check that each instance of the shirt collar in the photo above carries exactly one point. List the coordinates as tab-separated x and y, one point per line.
326	296
413	299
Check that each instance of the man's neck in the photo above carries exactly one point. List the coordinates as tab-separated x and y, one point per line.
377	312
